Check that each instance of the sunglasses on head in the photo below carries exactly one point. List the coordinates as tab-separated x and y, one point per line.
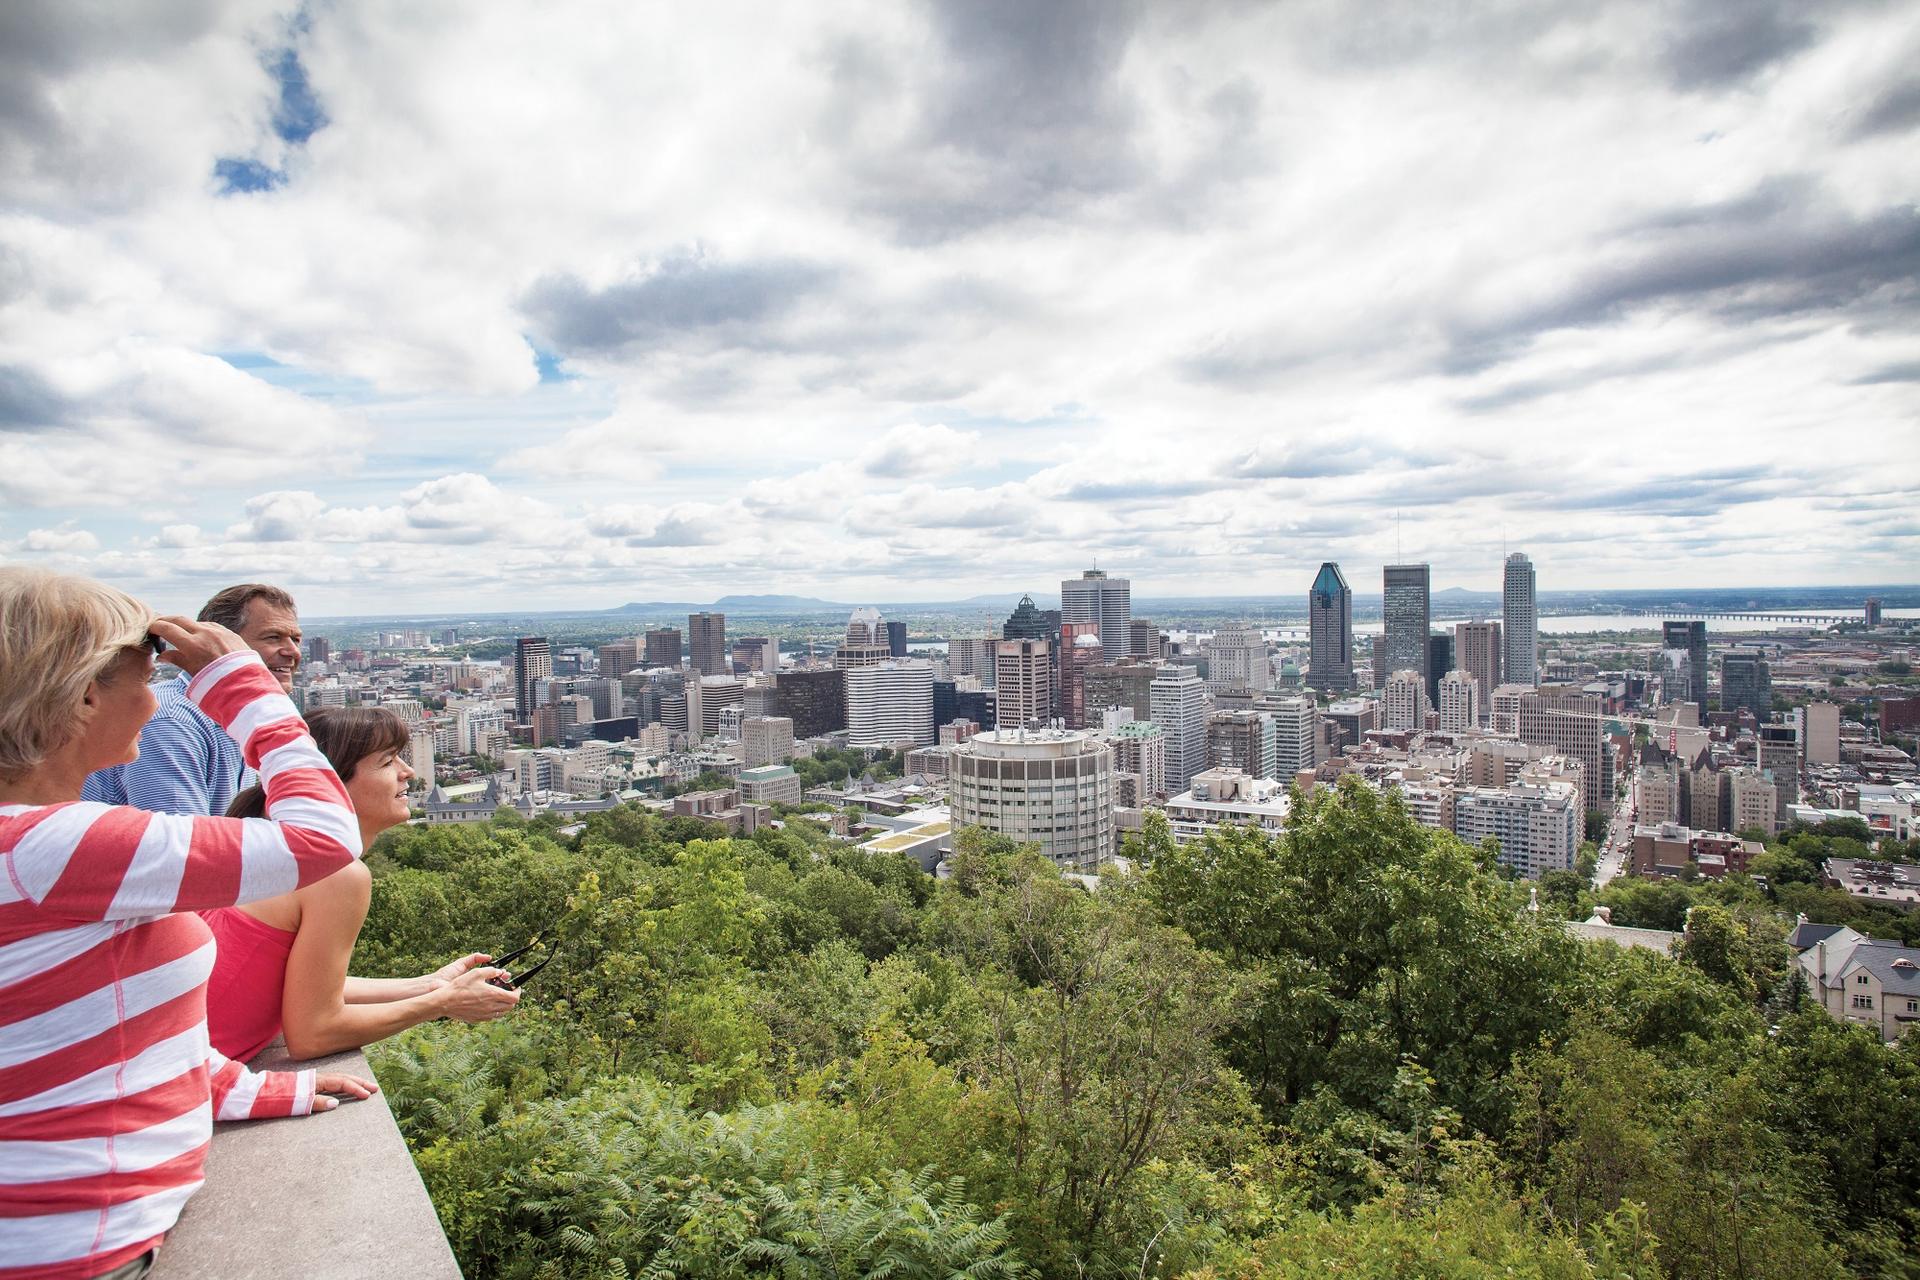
152	644
521	979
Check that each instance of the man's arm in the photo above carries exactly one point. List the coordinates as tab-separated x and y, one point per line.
174	771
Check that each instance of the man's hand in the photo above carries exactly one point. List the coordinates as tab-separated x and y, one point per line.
351	1087
192	645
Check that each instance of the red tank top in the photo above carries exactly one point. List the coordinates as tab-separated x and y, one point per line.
249	974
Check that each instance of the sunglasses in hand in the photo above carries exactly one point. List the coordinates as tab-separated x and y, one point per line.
518	980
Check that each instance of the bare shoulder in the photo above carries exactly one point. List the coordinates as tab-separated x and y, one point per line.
351	885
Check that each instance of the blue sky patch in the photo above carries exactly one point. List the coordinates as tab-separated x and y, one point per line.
240	177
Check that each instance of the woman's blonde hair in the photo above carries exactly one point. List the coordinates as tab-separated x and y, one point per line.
58	634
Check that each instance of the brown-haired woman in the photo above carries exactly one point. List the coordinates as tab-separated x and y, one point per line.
282	962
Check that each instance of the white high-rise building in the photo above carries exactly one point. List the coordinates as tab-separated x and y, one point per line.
1538	825
890	702
1108	602
766	740
1459	702
1296	731
1521	623
1048	787
1404	702
1179	703
1139	760
1820	733
1237	659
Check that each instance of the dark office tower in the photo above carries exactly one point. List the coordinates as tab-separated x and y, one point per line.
662	648
320	650
1439	662
1522	622
532	667
1687	641
1872	612
707	643
1330	631
1030	622
1408	611
1143	642
896	639
1118	684
816	701
1746	680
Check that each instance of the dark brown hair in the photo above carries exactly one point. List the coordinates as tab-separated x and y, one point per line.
345	736
229	607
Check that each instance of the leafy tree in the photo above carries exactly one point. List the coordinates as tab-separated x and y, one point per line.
1369	938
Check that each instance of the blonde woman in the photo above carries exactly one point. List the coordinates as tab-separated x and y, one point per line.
108	1086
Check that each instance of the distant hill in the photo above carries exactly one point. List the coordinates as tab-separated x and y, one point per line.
797	604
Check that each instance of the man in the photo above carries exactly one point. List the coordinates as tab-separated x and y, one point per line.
187	764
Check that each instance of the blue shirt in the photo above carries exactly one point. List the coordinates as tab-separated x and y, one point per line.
187	763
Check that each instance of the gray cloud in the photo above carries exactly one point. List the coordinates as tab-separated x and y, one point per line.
1715	44
1905	371
1776	252
684	296
1300	462
27	400
1700	493
1895	111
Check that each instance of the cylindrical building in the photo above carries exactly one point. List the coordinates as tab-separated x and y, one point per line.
1048	787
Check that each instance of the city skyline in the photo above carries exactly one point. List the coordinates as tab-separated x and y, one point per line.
968	295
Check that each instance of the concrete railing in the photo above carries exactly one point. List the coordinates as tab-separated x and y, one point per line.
326	1197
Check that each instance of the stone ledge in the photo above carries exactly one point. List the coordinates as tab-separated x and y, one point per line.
325	1197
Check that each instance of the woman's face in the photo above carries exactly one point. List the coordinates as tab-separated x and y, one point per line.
378	790
120	704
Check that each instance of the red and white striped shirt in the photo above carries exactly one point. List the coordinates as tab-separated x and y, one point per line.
108	1087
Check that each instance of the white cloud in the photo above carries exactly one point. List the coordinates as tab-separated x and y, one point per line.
910	299
63	539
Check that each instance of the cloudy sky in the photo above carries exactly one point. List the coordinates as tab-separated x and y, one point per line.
458	306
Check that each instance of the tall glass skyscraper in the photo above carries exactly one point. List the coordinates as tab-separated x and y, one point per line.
1409	619
1520	623
1330	631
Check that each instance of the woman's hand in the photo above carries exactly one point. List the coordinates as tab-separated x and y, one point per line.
472	997
354	1087
192	645
446	973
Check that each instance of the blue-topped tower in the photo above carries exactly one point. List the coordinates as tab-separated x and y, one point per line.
1330	631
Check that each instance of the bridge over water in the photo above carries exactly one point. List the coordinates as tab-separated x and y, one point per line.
1695	615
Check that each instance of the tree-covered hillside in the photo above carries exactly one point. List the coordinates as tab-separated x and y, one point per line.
1346	1051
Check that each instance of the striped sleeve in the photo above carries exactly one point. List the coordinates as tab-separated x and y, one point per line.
241	1094
101	862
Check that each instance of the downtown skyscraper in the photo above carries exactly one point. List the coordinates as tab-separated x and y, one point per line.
1330	631
532	668
1108	602
1408	609
1521	622
707	643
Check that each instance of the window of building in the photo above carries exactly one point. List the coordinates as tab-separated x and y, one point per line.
1860	981
1863	1002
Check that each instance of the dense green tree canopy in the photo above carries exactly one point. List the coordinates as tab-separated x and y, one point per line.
1347	1049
